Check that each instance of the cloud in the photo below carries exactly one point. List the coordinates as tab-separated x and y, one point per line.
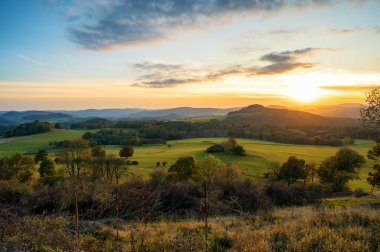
284	61
158	75
349	87
185	76
157	66
101	24
345	31
29	60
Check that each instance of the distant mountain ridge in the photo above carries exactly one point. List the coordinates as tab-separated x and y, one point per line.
347	110
128	113
277	112
344	110
286	117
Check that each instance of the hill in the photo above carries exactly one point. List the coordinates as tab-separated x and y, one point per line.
181	112
26	129
32	115
285	117
47	116
348	110
128	113
105	113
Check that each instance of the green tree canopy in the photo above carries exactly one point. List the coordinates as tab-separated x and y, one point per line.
126	151
41	155
337	170
183	168
293	169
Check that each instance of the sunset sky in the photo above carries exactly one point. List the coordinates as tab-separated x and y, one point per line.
76	54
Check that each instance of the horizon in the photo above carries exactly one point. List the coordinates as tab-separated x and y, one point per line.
75	55
301	108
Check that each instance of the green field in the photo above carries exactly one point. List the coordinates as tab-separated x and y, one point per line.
33	143
252	165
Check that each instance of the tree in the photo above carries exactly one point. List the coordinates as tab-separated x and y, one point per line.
370	116
126	151
370	113
41	155
374	177
57	126
47	171
47	168
207	171
238	150
98	161
230	173
18	167
293	169
229	144
274	168
311	170
337	170
183	168
116	168
74	157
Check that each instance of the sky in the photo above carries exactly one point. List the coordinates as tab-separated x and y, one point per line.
78	54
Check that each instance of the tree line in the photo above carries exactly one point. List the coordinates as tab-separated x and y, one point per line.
32	128
157	132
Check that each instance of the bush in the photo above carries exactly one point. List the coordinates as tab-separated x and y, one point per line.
215	148
13	193
242	196
283	195
238	150
182	199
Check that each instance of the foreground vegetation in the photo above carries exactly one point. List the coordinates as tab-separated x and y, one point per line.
291	229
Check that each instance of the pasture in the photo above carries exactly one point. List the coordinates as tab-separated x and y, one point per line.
33	143
253	165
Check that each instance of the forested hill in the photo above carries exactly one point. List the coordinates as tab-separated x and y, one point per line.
30	129
283	117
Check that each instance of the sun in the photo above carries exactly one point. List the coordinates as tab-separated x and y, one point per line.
304	93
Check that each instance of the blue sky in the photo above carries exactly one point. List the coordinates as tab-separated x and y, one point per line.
57	54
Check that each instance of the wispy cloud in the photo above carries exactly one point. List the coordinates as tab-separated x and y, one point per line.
349	87
345	31
29	59
283	62
159	75
102	24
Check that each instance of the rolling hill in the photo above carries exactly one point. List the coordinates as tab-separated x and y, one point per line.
285	117
347	110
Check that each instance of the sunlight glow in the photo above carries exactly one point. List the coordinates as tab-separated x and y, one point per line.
304	93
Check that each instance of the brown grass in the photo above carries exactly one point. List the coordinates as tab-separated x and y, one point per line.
289	229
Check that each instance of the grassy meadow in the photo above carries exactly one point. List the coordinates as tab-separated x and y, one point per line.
252	165
33	143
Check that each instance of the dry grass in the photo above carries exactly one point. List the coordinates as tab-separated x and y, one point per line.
289	229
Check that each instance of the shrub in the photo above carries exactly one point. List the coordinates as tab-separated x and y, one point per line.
238	150
182	199
283	195
242	197
215	148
